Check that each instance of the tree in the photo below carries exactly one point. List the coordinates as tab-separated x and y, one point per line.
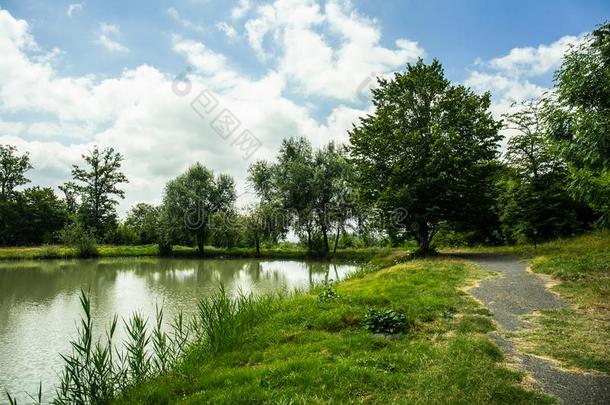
97	185
264	223
426	151
293	181
330	189
534	204
44	214
70	196
12	170
191	200
528	151
578	117
311	186
144	220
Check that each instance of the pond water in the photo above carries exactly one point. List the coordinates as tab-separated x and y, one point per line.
39	301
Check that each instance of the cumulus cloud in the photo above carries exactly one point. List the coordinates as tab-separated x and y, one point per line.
327	65
140	113
108	38
535	61
512	78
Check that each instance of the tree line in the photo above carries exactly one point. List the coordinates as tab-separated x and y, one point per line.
424	166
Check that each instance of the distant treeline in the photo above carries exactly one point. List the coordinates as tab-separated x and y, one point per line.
425	165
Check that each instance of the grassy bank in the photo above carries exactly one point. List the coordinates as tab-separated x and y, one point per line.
313	348
63	252
579	271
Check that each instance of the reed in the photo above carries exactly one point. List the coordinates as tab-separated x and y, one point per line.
97	371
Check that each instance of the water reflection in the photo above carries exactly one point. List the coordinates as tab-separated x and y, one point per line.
39	304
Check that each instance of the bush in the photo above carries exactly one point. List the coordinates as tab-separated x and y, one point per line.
328	294
83	240
386	321
50	252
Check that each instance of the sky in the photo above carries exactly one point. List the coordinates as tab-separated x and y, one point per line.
168	84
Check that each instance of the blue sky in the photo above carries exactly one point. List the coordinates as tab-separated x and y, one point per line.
78	73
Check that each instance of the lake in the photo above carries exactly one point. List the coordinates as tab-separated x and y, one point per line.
39	301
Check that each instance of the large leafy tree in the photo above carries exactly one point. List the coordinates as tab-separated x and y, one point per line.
190	202
97	184
578	117
12	170
45	214
426	152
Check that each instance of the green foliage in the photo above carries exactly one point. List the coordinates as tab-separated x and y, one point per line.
533	201
384	320
189	203
97	184
12	170
79	237
309	187
578	115
31	216
328	294
428	152
143	220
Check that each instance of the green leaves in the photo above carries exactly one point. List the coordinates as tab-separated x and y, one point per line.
191	200
12	169
578	118
428	149
97	184
385	321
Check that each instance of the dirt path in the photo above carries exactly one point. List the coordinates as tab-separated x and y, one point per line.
517	292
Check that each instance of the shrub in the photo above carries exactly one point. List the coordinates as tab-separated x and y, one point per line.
385	321
50	252
328	294
83	240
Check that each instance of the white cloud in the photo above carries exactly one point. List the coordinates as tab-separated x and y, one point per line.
512	78
227	29
108	38
240	10
531	61
138	113
320	65
173	13
72	8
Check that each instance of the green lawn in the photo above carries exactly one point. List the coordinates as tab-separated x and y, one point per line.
310	351
579	270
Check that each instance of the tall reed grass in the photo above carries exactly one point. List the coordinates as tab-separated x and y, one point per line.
97	371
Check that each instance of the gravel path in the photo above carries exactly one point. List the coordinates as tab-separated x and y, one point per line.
517	292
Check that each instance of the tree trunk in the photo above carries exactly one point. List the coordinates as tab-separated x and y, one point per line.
308	239
336	241
423	238
200	242
325	240
257	243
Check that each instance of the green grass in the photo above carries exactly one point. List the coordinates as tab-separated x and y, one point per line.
312	350
580	269
62	252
